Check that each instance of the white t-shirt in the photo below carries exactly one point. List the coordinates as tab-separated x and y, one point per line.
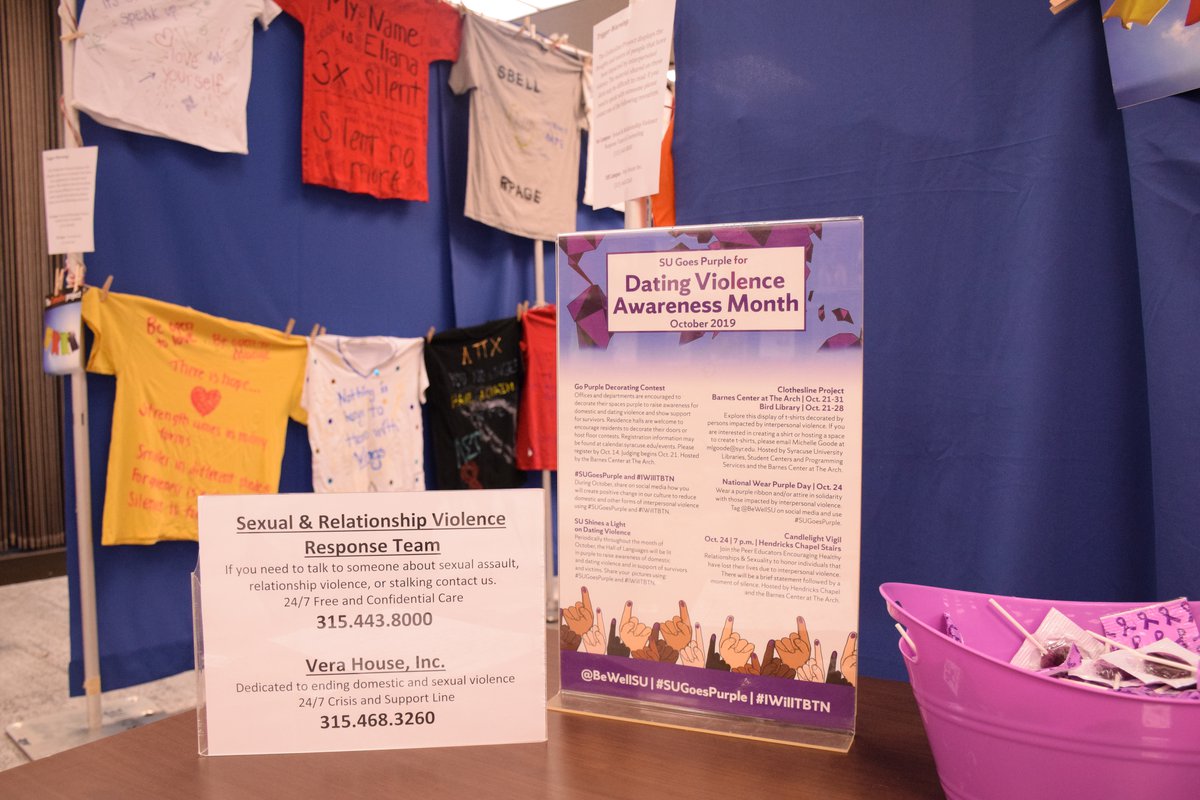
527	109
173	68
363	397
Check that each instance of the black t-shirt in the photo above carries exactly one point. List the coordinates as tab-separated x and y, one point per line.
474	391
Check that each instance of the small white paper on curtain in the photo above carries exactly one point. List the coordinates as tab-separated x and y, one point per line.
69	190
631	52
589	170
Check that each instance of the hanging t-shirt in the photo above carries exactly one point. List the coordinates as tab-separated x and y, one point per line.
365	113
537	423
527	109
201	408
474	392
363	397
173	68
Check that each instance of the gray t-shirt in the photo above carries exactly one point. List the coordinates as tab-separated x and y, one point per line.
526	114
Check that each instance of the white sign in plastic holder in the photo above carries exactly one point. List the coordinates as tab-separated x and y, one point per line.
370	621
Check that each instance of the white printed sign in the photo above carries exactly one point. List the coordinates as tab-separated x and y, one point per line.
69	192
632	50
372	621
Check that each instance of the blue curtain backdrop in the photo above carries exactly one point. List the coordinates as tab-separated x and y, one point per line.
1031	377
1030	414
1164	167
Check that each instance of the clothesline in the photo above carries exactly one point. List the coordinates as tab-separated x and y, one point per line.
317	330
220	392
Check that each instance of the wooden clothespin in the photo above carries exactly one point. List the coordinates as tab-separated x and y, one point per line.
557	40
429	334
70	24
291	324
528	27
324	331
73	274
316	329
104	289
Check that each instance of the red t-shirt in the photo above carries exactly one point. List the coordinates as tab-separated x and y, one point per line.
537	423
662	205
365	116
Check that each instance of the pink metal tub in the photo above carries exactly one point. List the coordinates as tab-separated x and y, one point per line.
999	732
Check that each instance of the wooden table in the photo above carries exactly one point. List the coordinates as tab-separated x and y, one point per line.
585	757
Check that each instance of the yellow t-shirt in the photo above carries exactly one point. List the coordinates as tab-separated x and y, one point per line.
201	408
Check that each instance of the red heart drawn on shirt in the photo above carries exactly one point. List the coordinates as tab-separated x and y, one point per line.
205	400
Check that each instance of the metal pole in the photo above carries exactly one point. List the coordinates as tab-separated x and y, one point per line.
86	562
539	276
635	213
79	430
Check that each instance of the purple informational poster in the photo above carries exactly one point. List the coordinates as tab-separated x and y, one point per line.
710	462
1153	48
